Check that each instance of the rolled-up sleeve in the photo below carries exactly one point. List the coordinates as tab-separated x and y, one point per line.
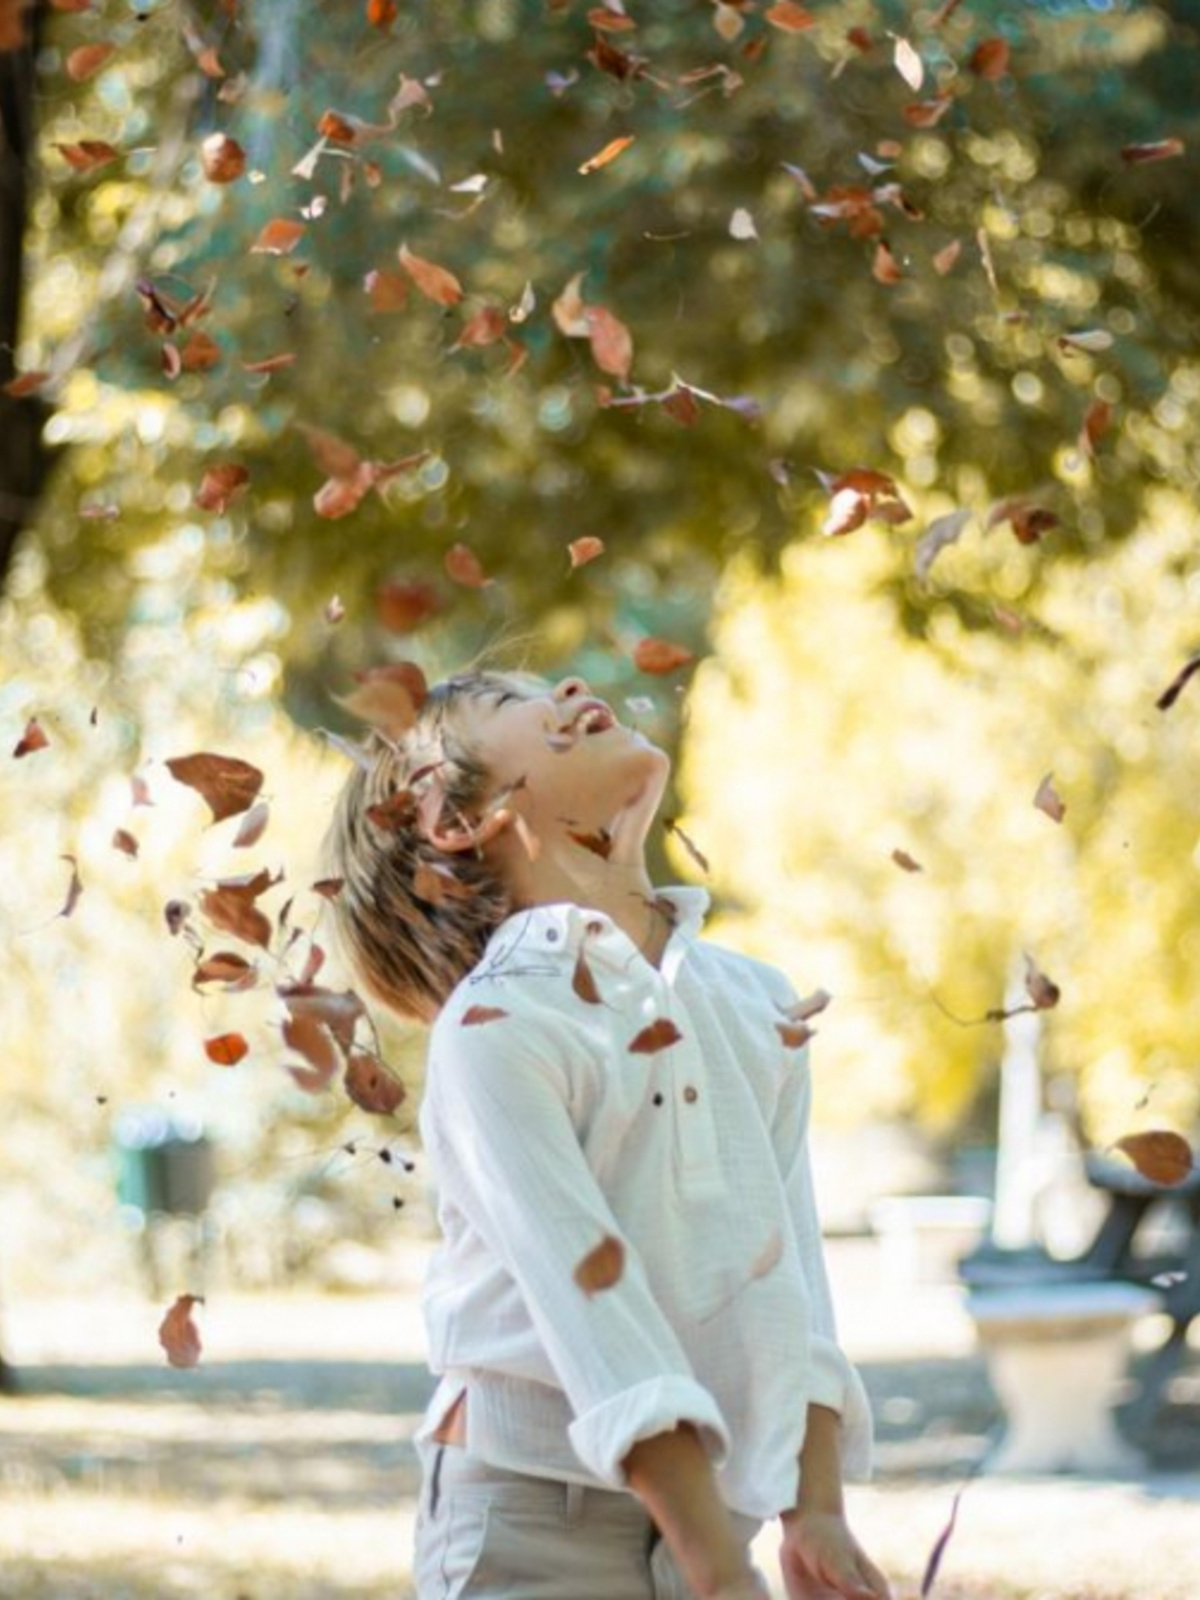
835	1381
499	1132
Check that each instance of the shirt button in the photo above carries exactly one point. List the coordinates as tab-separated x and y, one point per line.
691	1095
551	935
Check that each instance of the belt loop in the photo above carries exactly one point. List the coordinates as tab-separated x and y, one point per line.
574	1502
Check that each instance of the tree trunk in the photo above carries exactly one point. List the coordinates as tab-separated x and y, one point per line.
24	459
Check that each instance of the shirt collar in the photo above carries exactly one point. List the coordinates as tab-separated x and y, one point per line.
559	929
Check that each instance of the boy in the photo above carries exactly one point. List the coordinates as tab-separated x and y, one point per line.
629	1310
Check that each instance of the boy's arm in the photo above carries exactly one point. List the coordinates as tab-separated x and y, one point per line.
819	1554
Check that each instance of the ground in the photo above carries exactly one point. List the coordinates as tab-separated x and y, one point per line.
282	1469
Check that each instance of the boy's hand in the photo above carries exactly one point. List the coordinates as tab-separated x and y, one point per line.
822	1560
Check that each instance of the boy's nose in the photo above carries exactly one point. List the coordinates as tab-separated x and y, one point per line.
568	688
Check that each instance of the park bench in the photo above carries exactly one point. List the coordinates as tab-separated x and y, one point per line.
1055	1332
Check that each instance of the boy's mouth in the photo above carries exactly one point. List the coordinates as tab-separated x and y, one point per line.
593	716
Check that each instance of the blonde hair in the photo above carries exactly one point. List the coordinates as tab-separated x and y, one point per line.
409	950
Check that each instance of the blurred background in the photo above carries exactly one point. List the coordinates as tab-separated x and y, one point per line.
861	345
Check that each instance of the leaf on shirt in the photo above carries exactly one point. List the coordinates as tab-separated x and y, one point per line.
658	1035
474	1015
769	1257
583	982
602	1267
795	1035
810	1006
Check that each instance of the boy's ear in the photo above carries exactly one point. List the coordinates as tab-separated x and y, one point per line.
458	835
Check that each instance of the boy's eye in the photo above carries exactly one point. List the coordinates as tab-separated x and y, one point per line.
504	694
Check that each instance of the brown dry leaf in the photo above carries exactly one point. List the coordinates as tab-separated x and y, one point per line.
25	383
610	18
602	1267
1028	521
682	406
227	784
486	326
178	1334
788	17
389	697
927	113
125	842
398	811
230	907
386	291
906	862
1096	422
85	61
1173	690
34	738
279	237
1047	799
1158	1155
990	59
371	1086
402	606
227	967
1042	991
86	155
252	826
610	152
658	1035
463	565
226	1049
223	160
338	1010
660	656
382	13
221	484
476	1016
438	283
599	843
795	1035
612	343
569	311
285	358
201	353
328	888
1158	150
585	549
689	844
74	888
584	983
309	1037
884	266
944	260
332	455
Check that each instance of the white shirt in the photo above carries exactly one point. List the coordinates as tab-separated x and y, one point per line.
546	1133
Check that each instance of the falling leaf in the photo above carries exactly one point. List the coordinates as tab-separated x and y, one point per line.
386	291
398	811
1158	1155
86	61
728	21
1096	422
927	113
939	1547
908	64
328	888
1047	799
230	906
660	656
309	1037
201	352
252	826
1028	521
389	696
227	784
585	549
568	310
795	1035
34	738
220	485
437	283
485	327
74	888
227	967
475	1016
125	842
610	152
338	1010
860	493
286	358
463	565
884	266
742	225
610	18
1091	340
438	886
86	155
178	1334
226	1049
599	843
602	1267
989	59
809	1006
1159	150
681	406
906	862
403	606
331	454
658	1035
689	844
25	383
1042	991
382	13
611	341
584	983
945	258
222	158
788	17
941	532
371	1086
1173	690
279	237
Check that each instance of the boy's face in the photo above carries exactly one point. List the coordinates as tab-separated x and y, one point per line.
577	765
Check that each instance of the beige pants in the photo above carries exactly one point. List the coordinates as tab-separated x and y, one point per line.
487	1534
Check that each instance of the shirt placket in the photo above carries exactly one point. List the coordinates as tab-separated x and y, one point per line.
685	1088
